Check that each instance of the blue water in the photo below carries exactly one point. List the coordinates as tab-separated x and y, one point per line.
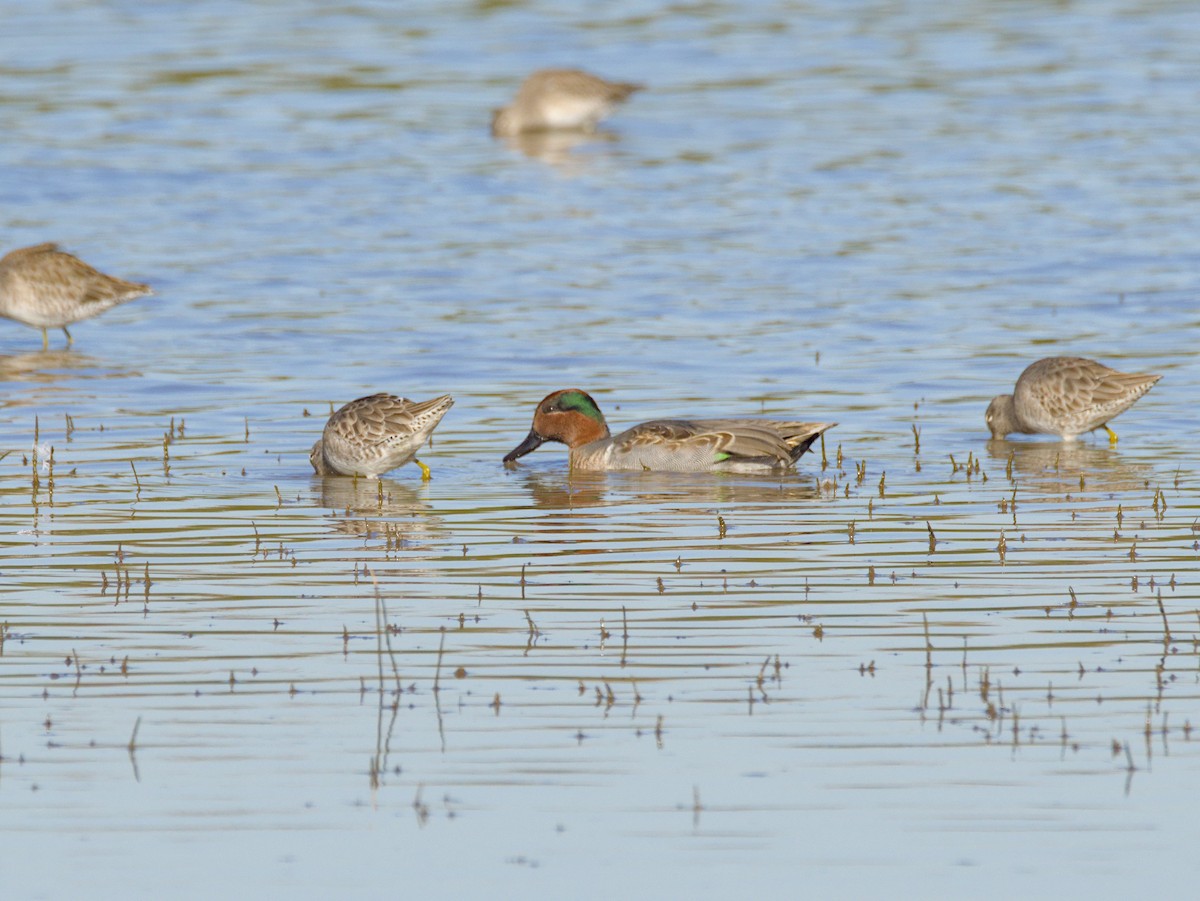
871	213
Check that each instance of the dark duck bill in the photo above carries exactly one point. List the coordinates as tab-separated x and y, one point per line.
531	443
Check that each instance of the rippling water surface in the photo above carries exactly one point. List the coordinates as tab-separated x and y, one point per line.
924	663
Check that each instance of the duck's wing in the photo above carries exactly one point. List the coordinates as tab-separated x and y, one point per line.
765	439
705	443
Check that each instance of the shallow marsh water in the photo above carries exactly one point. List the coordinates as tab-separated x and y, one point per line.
871	213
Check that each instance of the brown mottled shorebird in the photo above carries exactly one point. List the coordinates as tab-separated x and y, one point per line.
375	434
48	288
1066	396
560	99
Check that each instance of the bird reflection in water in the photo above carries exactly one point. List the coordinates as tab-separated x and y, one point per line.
379	509
572	489
53	372
1055	467
558	148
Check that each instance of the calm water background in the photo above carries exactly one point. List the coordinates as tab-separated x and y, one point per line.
871	212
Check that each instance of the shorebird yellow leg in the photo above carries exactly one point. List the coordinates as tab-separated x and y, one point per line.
1112	436
424	470
45	340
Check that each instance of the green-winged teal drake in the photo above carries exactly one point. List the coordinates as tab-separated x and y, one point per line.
572	417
